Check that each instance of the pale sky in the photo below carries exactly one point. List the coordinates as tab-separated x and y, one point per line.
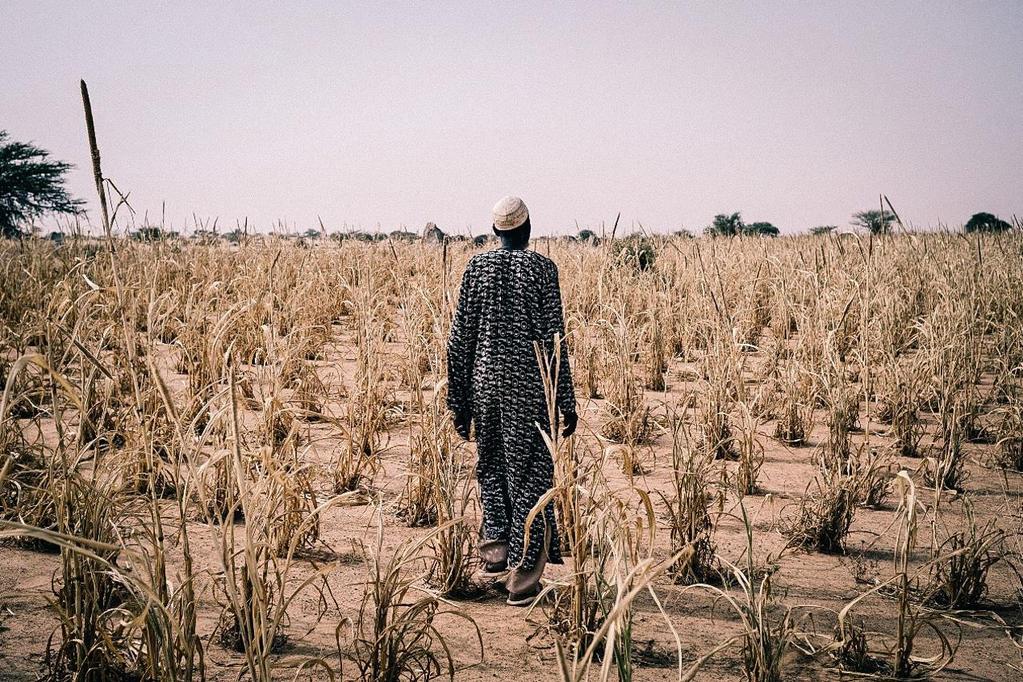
796	113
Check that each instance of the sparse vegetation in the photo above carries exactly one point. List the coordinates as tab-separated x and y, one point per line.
193	433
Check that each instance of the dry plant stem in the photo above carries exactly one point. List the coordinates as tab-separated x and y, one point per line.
910	621
395	635
765	638
256	580
689	508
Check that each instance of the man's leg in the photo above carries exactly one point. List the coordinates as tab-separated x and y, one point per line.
527	559
530	471
491	477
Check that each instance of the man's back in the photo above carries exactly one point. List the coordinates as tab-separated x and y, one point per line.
504	312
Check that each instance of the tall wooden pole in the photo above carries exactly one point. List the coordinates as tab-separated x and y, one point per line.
96	171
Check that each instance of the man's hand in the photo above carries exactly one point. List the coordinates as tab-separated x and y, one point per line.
571	421
462	421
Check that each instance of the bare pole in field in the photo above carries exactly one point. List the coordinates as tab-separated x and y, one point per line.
129	339
96	172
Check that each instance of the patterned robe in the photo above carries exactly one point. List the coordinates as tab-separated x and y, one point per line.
510	298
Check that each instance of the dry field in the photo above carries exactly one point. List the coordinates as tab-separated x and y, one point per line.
795	457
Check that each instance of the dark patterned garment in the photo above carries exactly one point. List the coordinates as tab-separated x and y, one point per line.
508	300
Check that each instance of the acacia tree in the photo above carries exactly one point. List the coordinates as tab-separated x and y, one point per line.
31	185
760	229
732	225
985	222
725	225
878	222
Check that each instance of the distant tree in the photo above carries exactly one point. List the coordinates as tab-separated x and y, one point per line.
985	222
878	222
685	234
823	229
235	236
725	225
404	236
760	229
31	185
312	234
151	233
481	240
588	236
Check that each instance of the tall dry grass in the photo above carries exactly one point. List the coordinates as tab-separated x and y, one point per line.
178	386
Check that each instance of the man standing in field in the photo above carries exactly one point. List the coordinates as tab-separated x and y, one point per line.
510	300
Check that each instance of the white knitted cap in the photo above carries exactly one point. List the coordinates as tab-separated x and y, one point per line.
509	213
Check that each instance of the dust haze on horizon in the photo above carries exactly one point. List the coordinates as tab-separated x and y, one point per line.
393	115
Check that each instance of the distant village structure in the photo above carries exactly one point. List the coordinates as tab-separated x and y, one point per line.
433	234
